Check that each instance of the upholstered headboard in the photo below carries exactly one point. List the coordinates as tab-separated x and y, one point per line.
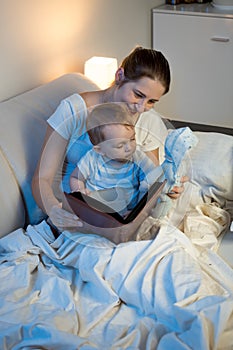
22	129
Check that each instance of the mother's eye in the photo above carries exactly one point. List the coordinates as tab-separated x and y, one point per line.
152	102
138	95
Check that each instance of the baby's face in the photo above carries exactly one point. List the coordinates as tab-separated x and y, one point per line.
119	142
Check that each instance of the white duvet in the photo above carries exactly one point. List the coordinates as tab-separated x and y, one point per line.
81	291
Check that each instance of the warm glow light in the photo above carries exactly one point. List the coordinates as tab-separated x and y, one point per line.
101	70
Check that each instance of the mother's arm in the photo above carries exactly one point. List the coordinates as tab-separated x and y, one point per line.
52	156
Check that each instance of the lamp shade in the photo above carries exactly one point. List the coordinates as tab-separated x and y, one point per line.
101	70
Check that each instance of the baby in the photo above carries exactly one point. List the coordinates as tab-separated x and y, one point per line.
114	163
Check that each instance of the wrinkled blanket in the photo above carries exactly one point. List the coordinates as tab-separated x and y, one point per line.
83	292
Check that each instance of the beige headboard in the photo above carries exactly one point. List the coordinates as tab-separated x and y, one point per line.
22	129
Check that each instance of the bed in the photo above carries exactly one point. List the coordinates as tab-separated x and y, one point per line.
171	289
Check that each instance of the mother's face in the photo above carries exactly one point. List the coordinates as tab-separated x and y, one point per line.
140	95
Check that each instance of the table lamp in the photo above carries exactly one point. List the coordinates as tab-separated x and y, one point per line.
101	70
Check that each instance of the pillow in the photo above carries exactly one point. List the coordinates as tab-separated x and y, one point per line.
211	166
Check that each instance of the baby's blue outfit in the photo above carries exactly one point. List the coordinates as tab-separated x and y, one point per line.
177	144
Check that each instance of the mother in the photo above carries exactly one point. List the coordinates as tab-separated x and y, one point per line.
140	81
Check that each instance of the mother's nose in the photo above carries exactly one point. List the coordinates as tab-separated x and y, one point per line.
141	106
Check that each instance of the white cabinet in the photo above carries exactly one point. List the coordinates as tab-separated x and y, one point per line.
198	43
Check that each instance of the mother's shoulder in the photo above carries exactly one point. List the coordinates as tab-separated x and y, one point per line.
91	98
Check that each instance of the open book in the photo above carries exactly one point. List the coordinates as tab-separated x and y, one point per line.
96	214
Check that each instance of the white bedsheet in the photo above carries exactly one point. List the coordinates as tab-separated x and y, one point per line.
83	292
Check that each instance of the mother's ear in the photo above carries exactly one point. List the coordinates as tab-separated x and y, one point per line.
120	75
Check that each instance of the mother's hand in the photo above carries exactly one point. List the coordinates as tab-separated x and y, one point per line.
178	190
63	219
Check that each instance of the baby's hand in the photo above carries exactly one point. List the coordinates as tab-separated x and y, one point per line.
85	191
79	186
178	190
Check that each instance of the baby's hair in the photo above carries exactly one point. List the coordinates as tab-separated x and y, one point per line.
105	114
143	62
